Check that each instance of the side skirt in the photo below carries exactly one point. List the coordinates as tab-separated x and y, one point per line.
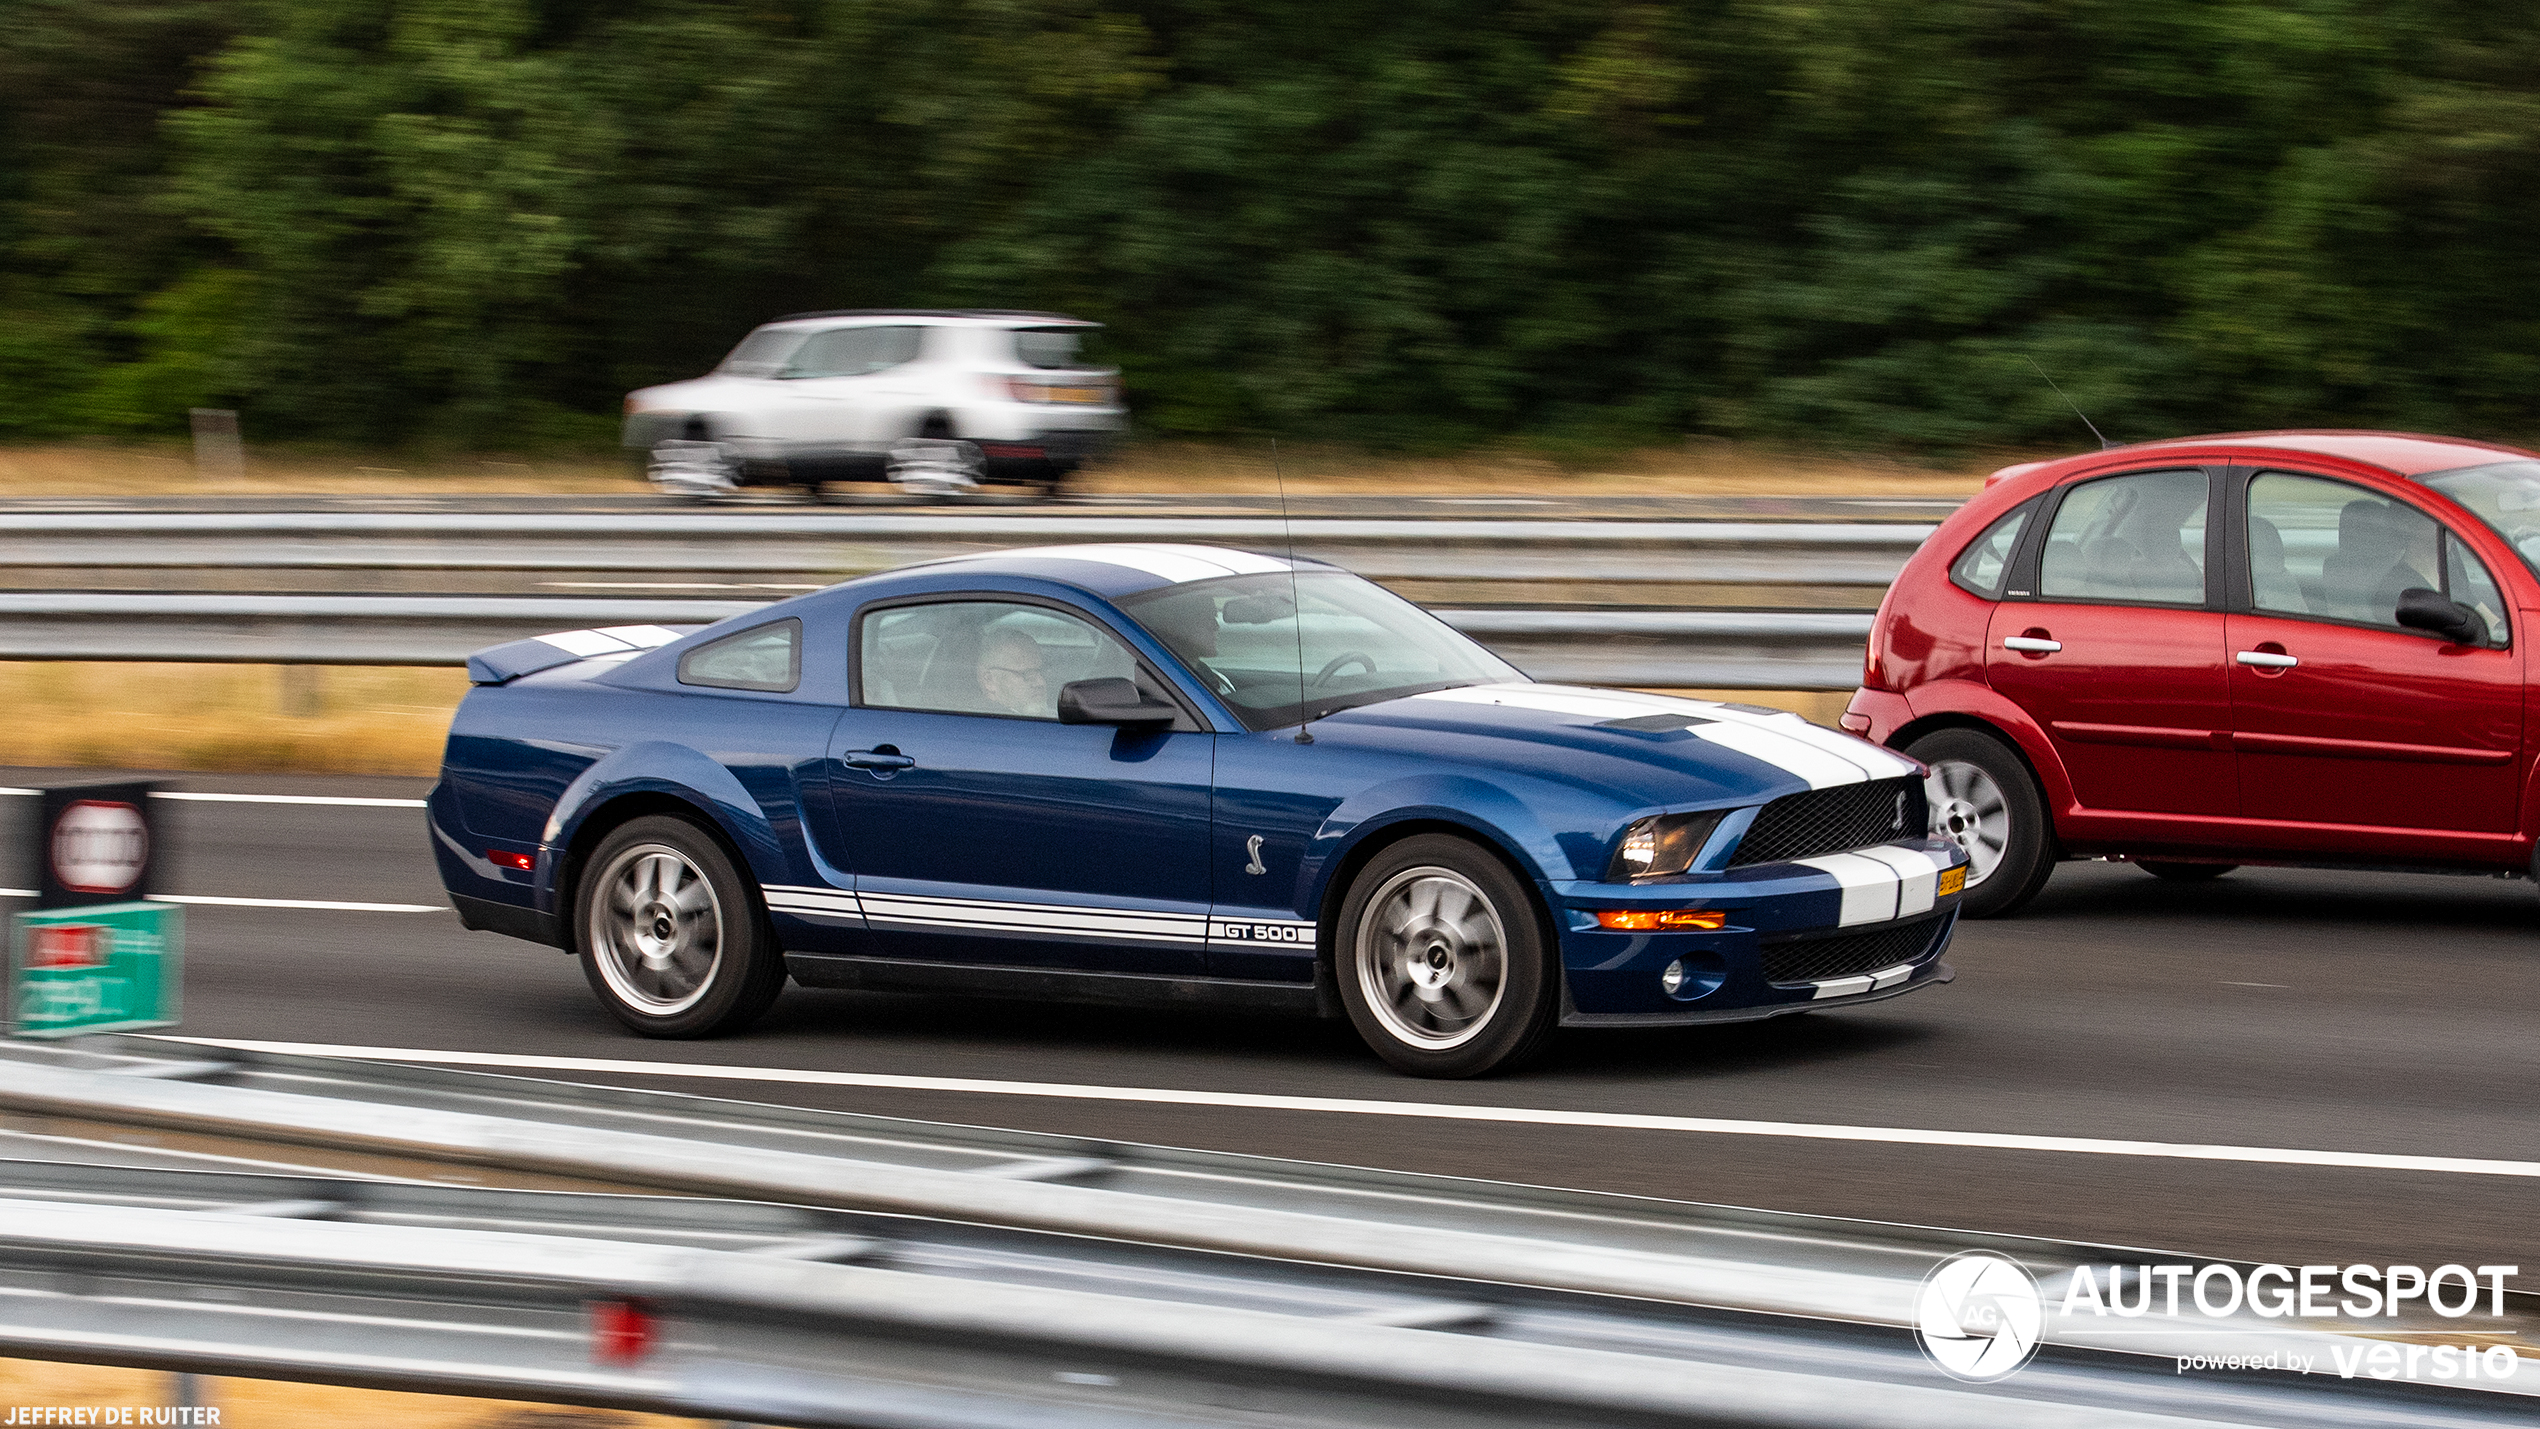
1042	984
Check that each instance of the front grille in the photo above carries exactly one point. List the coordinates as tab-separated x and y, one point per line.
1832	820
1816	959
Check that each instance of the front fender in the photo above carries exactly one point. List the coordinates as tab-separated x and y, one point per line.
659	767
1502	817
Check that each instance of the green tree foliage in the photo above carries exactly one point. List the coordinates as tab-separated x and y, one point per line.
1849	221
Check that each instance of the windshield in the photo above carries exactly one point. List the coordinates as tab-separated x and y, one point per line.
1360	644
1059	347
2506	496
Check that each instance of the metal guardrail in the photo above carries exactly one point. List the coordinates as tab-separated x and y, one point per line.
786	1315
1498	1271
1710	604
1701	649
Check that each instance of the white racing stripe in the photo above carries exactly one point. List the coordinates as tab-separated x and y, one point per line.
1917	877
1442	1111
1869	886
1161	560
1825	758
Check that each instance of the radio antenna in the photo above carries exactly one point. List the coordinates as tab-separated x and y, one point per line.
1296	607
2104	443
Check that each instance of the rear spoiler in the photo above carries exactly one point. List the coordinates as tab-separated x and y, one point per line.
499	664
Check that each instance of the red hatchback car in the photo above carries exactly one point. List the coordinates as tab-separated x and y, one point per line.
2266	647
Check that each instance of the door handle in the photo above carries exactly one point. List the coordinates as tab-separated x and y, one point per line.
884	758
2030	644
2265	661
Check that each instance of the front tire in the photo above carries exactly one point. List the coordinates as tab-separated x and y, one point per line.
1443	964
1983	799
670	935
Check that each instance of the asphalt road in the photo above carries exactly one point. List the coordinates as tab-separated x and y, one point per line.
2274	1008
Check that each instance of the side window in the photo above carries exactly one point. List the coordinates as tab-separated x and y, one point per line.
1986	562
2465	579
854	351
2138	539
768	658
2325	548
982	657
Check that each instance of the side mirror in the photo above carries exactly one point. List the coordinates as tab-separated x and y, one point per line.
2422	609
1112	700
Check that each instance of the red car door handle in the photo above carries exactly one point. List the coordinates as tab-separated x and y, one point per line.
2030	644
2266	660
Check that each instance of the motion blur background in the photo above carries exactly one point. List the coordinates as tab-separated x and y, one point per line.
1399	224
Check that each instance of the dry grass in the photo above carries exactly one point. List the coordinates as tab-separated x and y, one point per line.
1694	468
270	1404
167	469
230	718
365	720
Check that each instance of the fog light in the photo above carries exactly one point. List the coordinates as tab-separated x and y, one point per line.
1673	979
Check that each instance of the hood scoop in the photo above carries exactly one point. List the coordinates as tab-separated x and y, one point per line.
1663	726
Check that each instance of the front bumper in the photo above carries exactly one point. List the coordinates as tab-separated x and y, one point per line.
1830	932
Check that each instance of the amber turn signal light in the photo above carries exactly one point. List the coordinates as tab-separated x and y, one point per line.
1653	919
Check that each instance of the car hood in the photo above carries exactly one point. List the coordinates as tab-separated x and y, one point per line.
1643	750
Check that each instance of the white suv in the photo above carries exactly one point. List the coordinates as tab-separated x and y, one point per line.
937	402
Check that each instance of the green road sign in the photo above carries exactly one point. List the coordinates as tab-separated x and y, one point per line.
114	967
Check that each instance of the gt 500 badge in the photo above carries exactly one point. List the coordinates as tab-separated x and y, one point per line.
1233	932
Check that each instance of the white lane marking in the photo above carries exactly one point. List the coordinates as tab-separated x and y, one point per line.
1444	1111
344	800
28	793
17	893
323	904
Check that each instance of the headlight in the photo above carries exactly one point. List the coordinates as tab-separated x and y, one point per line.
1661	846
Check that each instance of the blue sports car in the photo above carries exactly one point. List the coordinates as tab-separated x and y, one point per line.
1177	775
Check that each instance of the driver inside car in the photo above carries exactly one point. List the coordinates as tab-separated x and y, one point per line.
1013	676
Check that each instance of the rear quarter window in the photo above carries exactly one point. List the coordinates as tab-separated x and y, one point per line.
767	658
1985	566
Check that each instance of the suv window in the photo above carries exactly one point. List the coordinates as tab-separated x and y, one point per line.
855	351
2138	539
762	353
2335	551
1986	563
768	658
1052	347
983	657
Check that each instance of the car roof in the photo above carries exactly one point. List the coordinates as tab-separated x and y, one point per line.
2400	453
1117	570
985	317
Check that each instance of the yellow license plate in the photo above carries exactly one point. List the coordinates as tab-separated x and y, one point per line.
1077	394
1954	881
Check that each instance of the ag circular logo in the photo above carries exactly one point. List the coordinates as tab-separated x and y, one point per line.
100	847
1978	1316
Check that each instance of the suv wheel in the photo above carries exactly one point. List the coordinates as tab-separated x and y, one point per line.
670	935
1443	965
1984	800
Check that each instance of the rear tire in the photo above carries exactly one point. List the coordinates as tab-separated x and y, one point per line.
671	936
1443	964
1984	800
2184	872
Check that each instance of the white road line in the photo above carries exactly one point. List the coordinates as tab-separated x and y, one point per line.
345	800
338	799
323	904
320	903
1444	1111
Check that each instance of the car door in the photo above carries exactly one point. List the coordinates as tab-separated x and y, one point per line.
839	386
982	830
2340	715
2111	638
